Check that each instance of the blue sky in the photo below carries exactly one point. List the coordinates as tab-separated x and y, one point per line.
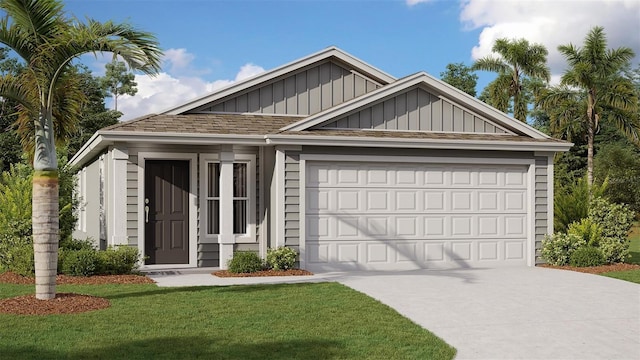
211	43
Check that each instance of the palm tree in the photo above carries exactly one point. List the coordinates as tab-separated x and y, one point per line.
517	59
592	89
40	33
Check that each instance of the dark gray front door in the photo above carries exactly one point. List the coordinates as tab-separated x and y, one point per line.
167	215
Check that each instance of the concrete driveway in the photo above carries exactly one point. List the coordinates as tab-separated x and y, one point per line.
515	313
509	313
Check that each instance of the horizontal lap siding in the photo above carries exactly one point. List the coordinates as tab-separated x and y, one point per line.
132	201
304	93
292	199
541	202
416	110
208	255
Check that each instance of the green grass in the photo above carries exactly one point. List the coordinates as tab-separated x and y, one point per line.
290	321
634	252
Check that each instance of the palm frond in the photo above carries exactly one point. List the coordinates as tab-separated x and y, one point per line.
490	64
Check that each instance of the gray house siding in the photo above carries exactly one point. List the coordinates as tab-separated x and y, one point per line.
541	202
306	92
89	216
292	199
417	110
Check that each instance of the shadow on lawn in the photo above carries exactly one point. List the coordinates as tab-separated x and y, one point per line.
220	289
196	347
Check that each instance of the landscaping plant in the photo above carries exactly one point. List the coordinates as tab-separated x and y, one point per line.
586	256
245	262
282	258
557	248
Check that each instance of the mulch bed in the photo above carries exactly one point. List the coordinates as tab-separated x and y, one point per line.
597	269
64	303
291	272
13	278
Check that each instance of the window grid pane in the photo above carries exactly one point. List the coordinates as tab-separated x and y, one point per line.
213	188
213	211
239	180
239	216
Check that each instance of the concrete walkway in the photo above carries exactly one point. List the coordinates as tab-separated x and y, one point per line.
511	313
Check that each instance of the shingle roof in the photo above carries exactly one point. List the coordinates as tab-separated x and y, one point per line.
245	124
418	135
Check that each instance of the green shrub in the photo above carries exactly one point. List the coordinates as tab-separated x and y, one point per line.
118	261
613	250
76	244
587	229
19	259
82	262
282	258
621	165
557	248
571	203
615	219
245	262
586	256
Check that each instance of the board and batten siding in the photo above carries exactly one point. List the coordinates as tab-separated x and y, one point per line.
541	202
292	200
307	92
416	110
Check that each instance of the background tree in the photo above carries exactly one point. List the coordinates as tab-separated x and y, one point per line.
118	81
591	90
516	60
460	76
10	150
47	40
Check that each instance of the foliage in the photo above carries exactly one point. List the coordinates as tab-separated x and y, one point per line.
245	262
586	256
592	90
76	244
118	261
15	200
16	256
118	81
621	166
615	219
517	61
282	258
557	248
461	77
614	250
588	230
83	262
571	203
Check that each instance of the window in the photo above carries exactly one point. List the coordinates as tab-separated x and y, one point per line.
243	197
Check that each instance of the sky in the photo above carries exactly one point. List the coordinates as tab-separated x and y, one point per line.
209	44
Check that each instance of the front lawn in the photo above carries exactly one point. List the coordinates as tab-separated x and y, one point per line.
289	321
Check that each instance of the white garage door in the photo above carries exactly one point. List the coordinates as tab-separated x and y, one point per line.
405	216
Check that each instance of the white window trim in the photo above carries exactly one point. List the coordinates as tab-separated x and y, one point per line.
82	203
193	208
250	236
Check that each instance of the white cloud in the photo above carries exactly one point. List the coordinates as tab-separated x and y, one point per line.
171	88
552	23
416	2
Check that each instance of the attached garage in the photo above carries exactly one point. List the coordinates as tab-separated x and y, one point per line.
401	216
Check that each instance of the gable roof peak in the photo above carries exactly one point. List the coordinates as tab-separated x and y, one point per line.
330	52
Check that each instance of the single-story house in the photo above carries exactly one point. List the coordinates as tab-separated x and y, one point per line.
328	155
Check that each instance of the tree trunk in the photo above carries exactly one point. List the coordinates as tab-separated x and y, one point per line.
45	232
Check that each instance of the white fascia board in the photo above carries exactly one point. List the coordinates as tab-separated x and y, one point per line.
333	113
279	71
91	148
184	138
449	144
465	99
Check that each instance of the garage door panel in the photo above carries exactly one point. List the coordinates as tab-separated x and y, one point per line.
404	216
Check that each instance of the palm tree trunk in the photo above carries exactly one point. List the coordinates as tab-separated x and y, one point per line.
591	133
45	232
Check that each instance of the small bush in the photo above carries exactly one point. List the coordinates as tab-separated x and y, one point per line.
615	219
245	262
557	248
571	203
587	229
118	261
613	250
20	260
82	262
76	244
586	256
282	258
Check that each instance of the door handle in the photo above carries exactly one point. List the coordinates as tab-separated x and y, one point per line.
146	210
